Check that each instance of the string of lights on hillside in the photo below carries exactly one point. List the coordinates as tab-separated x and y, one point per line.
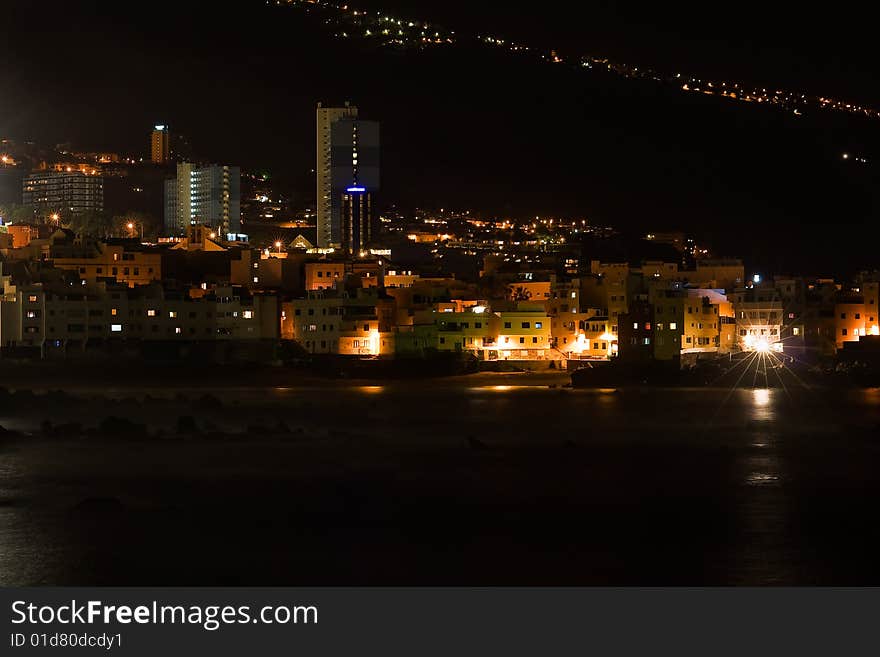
390	31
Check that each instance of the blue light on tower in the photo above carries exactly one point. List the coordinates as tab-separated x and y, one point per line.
356	189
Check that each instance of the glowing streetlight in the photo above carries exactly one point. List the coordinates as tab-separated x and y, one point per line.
131	225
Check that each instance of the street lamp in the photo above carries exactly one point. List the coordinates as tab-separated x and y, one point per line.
278	246
130	225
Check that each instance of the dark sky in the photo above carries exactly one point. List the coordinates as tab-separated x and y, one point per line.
470	128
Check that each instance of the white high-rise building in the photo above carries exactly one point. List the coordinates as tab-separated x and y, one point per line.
209	195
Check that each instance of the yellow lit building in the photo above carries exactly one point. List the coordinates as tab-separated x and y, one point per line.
726	327
523	334
470	330
324	274
691	321
337	324
701	324
759	319
851	320
593	340
114	261
607	288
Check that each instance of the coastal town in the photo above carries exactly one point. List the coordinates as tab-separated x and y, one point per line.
233	271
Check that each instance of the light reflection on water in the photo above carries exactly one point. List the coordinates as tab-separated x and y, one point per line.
763	470
763	406
762	479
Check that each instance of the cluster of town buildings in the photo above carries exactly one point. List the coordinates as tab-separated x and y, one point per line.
61	292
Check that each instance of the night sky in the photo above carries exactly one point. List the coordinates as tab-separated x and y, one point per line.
483	130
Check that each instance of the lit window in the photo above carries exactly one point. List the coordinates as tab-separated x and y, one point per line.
31	314
539	325
178	330
32	298
635	325
113	311
151	313
673	326
172	314
249	314
256	279
116	328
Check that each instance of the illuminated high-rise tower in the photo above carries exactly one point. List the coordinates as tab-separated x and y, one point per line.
358	223
203	194
160	145
347	156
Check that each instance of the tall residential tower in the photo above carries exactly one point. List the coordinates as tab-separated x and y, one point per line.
209	195
347	157
160	145
65	192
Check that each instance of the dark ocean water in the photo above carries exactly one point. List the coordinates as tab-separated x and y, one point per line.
451	484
